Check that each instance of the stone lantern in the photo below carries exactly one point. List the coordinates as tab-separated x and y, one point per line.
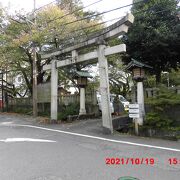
81	77
81	81
138	70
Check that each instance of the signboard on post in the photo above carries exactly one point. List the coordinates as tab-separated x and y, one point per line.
134	115
44	93
134	106
134	111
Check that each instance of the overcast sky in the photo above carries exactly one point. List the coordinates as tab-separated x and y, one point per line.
104	5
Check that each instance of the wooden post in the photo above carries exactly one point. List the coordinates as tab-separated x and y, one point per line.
104	90
136	126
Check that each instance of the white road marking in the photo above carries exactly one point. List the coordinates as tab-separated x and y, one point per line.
99	138
6	123
9	140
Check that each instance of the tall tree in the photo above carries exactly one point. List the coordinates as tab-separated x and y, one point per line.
50	32
76	7
70	5
154	38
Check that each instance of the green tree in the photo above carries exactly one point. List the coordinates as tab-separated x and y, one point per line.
76	7
154	38
173	78
119	80
20	33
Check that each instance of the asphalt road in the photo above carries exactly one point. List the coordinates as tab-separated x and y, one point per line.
29	151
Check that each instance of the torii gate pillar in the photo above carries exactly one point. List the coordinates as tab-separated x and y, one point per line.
54	90
104	90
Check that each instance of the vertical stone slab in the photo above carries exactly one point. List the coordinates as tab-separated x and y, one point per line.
104	90
82	101
54	90
140	100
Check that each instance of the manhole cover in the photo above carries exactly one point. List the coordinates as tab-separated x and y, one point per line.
127	178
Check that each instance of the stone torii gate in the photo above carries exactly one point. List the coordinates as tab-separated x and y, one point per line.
115	30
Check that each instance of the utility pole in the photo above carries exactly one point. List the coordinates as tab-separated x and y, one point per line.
2	90
34	71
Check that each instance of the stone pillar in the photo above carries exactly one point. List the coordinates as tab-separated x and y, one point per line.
133	94
82	101
149	92
54	90
140	100
104	91
178	89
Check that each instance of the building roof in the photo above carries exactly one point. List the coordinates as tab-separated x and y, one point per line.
135	63
82	74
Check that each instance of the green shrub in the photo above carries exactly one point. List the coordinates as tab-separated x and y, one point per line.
44	114
160	107
164	98
157	121
71	109
22	110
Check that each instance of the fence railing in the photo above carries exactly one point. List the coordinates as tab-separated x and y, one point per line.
152	92
25	103
20	101
75	98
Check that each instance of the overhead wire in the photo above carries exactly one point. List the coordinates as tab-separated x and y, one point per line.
89	17
41	7
91	26
94	15
68	39
77	10
65	24
79	36
70	13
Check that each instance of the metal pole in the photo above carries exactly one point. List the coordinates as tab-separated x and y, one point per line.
34	72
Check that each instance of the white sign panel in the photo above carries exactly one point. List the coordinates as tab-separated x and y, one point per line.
134	115
135	111
133	106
